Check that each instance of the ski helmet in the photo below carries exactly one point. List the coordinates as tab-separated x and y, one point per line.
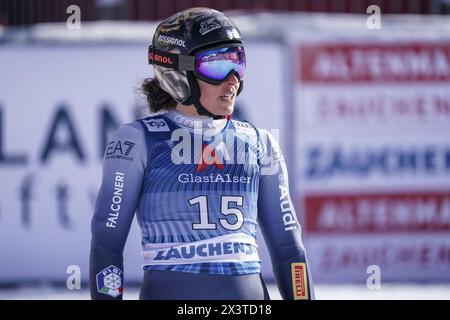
175	42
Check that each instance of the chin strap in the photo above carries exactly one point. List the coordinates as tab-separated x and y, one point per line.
201	110
195	98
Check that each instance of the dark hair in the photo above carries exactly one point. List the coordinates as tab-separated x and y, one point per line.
157	98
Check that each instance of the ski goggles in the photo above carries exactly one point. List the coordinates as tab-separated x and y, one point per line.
211	65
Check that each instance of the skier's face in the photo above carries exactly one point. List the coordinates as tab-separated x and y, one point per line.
219	99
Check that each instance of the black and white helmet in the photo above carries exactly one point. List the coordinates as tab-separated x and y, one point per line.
175	42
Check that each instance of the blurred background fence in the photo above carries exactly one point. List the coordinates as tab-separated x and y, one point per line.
25	12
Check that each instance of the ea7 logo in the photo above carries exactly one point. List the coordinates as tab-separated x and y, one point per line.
156	125
119	149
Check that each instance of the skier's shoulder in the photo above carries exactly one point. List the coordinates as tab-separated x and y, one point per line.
157	124
245	127
132	130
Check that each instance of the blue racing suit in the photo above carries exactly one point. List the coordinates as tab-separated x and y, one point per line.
199	187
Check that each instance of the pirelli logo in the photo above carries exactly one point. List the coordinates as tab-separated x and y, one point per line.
299	281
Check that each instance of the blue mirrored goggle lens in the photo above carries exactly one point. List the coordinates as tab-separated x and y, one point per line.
216	64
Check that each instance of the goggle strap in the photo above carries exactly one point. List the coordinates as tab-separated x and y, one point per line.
186	63
170	60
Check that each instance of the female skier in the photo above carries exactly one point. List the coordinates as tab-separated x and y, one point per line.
199	181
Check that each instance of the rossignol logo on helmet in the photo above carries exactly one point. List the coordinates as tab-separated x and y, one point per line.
160	58
169	40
